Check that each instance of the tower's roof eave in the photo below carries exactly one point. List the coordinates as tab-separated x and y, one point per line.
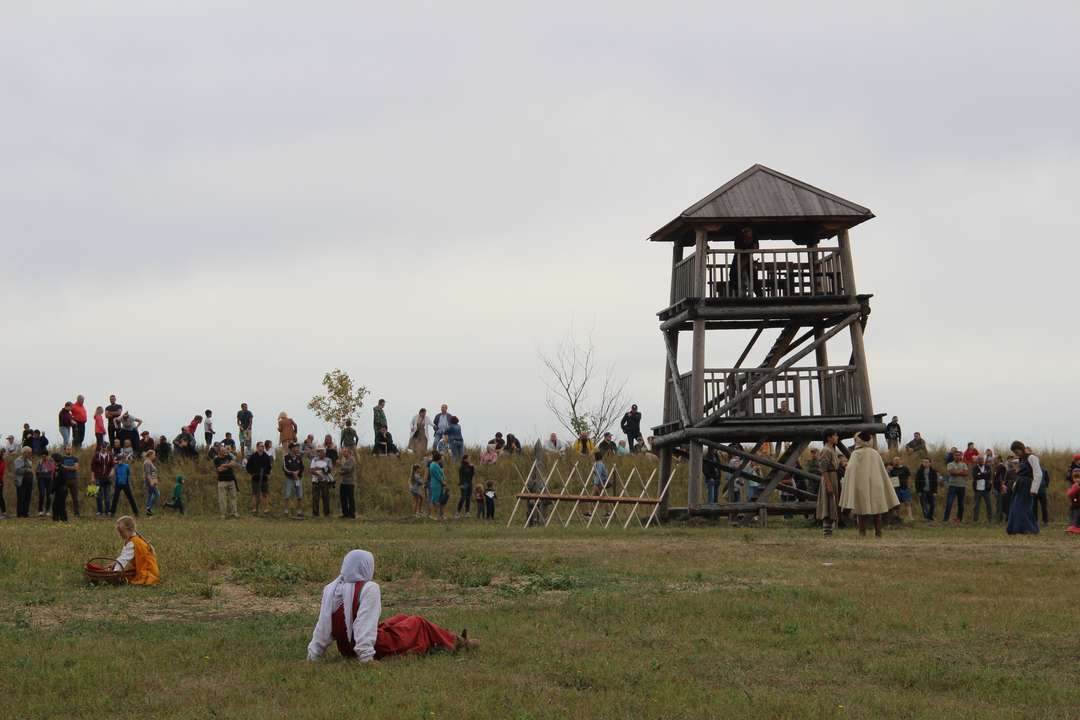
763	195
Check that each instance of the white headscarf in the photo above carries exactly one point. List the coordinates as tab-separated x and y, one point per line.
358	566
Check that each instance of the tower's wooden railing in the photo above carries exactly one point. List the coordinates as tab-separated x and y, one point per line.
808	392
765	274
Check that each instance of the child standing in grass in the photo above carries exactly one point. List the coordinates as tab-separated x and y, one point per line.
416	489
478	498
150	476
489	500
1073	495
123	485
99	425
208	427
600	473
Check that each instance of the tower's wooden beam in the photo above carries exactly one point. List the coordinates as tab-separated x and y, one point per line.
846	427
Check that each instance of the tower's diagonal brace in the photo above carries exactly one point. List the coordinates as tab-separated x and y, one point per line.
680	400
791	454
767	462
765	378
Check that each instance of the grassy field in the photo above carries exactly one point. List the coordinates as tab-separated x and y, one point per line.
676	622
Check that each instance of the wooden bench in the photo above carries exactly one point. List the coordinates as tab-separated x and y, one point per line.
611	499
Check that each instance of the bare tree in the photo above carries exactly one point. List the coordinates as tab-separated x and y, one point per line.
582	395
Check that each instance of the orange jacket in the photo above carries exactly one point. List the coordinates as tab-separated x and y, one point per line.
146	567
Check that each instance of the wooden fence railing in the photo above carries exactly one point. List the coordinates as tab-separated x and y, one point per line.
808	392
767	273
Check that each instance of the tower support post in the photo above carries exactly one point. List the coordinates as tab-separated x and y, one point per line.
858	347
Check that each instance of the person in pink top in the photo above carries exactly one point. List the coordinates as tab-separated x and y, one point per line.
191	427
99	425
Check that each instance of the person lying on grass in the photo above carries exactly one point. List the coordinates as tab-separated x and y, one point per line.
137	555
349	616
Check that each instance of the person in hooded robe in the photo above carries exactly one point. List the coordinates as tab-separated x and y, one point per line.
349	617
867	489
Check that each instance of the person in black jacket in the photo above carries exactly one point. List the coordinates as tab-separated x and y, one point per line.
926	485
710	469
893	434
902	474
465	485
982	482
1002	491
631	427
259	465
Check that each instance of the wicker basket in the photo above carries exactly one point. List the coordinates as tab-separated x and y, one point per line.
97	571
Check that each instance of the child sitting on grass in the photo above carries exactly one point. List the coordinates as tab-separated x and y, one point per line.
1073	495
136	552
489	500
137	555
176	501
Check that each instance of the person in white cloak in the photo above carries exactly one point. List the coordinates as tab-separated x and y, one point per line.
867	489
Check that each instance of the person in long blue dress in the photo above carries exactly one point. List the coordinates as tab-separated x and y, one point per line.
436	481
1028	477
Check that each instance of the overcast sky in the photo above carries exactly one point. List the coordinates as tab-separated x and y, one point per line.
203	204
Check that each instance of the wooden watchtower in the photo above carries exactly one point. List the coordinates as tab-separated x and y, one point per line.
770	258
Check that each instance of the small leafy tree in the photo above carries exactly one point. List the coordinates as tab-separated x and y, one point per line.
342	400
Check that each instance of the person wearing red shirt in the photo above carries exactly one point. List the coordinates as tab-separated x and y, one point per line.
191	427
971	454
78	417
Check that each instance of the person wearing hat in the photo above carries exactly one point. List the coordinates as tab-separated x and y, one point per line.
631	427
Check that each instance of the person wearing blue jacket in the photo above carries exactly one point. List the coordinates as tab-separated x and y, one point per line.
123	485
457	442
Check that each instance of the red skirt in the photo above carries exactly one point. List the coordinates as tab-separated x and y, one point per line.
411	634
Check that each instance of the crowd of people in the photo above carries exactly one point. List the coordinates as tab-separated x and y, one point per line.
1010	489
124	450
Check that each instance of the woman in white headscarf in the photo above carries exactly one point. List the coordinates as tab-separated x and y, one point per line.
867	488
349	616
